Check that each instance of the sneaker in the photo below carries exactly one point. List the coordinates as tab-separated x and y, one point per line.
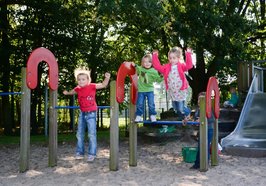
79	156
138	119
153	118
91	158
185	120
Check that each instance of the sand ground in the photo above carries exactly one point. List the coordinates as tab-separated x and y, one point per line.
159	163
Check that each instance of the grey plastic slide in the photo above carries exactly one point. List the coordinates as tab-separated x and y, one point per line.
249	137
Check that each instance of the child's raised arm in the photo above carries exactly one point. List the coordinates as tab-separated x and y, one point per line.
71	92
156	62
105	81
189	63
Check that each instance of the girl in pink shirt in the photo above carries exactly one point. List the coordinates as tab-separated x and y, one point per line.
174	77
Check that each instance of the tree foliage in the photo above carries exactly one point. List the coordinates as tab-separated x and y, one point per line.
103	34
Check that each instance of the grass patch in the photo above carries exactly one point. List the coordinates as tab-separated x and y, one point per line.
66	137
102	134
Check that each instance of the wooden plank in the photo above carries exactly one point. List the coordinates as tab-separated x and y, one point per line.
203	135
52	128
25	125
214	147
114	128
133	127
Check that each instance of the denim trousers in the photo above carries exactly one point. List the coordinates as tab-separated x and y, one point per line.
87	120
210	135
180	109
142	96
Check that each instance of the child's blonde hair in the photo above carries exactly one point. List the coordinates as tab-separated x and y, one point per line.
82	71
179	53
147	55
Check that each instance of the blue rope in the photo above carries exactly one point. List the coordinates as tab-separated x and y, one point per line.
77	107
169	122
9	93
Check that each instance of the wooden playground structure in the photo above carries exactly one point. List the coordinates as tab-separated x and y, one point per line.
207	105
29	81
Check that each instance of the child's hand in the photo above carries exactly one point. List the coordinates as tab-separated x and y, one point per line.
107	75
133	64
184	121
155	52
68	93
189	50
128	64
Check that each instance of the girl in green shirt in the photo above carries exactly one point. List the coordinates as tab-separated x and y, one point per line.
147	75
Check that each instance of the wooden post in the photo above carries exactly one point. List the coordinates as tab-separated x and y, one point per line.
214	155
214	142
114	129
133	130
25	125
203	135
52	128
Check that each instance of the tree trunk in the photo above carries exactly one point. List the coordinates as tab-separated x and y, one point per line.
39	116
12	109
1	114
33	118
200	79
71	112
18	111
5	67
36	103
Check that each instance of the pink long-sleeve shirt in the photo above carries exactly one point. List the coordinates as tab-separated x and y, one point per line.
165	69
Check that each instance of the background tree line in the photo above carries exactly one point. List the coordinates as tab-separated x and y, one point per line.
101	34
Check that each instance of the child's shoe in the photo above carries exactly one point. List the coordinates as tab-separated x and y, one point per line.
184	121
153	118
138	119
79	156
91	158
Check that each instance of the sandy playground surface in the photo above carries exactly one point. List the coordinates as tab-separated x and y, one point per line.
159	164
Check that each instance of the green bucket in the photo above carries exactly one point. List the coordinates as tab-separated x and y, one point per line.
189	154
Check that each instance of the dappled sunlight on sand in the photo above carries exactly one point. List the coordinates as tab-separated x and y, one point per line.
157	164
33	173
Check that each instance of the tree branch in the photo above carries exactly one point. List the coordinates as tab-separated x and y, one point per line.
13	2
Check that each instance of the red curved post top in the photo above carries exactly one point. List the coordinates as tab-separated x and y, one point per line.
126	69
38	55
212	86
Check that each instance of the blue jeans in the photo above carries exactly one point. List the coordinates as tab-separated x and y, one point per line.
181	109
210	135
87	119
140	103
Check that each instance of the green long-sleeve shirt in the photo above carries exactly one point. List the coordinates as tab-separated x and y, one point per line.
146	78
234	99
